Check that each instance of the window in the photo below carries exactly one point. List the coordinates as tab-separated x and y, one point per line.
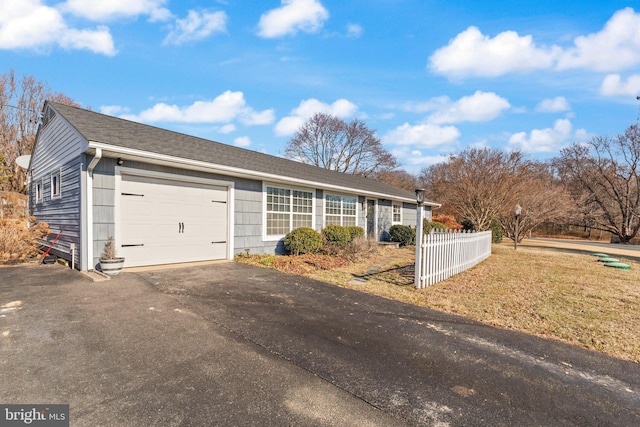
39	193
340	210
397	213
288	209
56	188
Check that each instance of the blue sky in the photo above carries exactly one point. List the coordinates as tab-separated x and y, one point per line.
431	77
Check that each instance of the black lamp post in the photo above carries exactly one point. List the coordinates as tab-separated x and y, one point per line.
420	202
516	212
420	196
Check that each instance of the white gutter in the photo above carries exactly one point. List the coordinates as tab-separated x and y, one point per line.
241	172
89	197
94	161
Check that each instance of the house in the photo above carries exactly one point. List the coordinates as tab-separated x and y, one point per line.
167	197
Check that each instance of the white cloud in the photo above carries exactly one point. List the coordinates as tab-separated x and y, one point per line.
98	41
289	125
242	141
252	118
29	24
354	31
291	17
479	107
414	160
553	105
471	53
108	10
225	108
545	140
196	26
612	85
228	128
616	47
426	135
113	110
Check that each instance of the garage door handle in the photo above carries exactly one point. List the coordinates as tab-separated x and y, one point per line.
132	194
128	246
181	227
223	241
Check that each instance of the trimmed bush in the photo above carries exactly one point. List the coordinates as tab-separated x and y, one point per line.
467	225
336	235
448	220
402	234
496	232
355	232
303	240
429	226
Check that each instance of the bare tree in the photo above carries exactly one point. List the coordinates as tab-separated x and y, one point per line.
602	175
542	198
20	102
398	178
475	185
482	185
331	143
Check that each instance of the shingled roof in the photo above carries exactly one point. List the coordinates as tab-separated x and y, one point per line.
117	132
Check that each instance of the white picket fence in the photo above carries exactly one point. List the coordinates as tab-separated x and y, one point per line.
444	254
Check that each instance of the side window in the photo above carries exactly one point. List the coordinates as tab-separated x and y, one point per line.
56	185
397	213
39	190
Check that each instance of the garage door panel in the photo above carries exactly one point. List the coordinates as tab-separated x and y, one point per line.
173	221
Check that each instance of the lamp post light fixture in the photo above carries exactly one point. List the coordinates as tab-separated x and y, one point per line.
516	212
418	265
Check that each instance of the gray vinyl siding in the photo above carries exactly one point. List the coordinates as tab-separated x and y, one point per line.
248	218
409	215
428	214
58	150
103	207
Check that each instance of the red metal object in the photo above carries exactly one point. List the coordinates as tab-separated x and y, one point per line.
46	254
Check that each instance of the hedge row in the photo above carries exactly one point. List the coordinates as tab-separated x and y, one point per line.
307	240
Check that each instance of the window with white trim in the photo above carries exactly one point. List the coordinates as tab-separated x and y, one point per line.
288	209
56	185
340	210
397	213
39	190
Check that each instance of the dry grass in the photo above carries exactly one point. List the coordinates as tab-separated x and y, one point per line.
17	239
567	297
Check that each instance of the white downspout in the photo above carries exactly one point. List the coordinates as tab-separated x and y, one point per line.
90	168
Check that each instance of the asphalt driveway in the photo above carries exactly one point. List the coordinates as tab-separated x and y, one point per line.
231	344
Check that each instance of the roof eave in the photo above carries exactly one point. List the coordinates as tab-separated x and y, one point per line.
166	160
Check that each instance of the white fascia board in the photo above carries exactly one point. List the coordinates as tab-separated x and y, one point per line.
163	159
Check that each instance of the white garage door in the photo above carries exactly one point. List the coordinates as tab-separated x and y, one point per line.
165	221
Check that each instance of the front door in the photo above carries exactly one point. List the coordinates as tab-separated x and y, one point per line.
371	219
